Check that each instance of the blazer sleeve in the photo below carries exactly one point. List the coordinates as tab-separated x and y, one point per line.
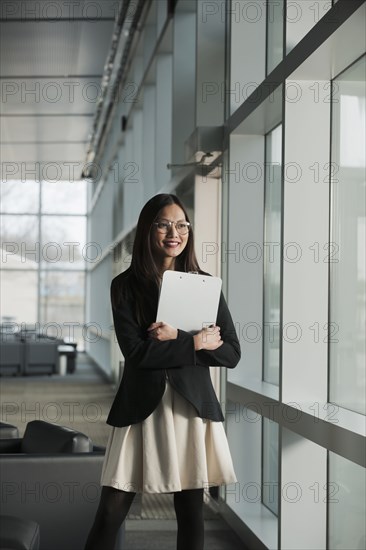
144	352
229	353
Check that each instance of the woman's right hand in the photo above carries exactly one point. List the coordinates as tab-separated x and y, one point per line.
208	338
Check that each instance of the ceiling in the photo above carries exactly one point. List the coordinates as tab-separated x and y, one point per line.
52	57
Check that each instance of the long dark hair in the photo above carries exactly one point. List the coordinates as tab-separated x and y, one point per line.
143	282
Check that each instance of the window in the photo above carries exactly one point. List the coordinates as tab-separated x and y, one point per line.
346	504
270	464
64	197
274	33
272	256
347	252
19	196
19	241
64	243
19	291
44	254
62	304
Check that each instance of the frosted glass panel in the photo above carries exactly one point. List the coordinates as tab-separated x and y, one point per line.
19	242
347	356
62	305
19	196
346	508
64	197
301	17
18	296
270	465
272	256
64	243
274	33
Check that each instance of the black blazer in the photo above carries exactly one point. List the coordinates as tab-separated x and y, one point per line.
148	362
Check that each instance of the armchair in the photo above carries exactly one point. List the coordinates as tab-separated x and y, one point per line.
8	431
27	353
41	356
12	357
52	476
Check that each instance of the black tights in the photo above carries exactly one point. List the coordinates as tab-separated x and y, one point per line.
114	506
188	506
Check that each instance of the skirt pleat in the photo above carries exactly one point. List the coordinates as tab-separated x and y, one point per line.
171	450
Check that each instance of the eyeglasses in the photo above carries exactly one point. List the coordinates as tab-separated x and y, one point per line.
165	226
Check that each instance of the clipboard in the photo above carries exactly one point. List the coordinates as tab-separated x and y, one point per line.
188	301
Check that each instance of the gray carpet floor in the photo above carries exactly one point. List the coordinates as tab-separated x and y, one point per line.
81	401
166	540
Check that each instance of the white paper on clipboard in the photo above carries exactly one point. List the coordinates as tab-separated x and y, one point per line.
188	301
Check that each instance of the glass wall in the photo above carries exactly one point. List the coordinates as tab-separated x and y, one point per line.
19	295
346	504
347	356
272	256
275	17
301	17
44	256
17	196
295	191
270	464
20	241
62	304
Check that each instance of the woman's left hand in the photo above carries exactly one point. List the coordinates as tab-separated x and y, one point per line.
162	331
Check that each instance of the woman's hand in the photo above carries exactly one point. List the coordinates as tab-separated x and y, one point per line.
162	331
208	338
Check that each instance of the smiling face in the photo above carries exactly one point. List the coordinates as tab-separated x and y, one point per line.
168	246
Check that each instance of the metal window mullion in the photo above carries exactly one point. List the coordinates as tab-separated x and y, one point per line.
39	263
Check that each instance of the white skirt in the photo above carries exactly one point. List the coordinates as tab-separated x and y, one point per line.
171	450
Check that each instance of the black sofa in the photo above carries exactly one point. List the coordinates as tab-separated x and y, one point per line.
18	533
8	431
52	476
30	353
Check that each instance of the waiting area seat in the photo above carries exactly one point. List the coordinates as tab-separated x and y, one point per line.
27	352
8	431
18	534
52	476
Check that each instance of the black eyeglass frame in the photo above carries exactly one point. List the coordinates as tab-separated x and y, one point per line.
168	222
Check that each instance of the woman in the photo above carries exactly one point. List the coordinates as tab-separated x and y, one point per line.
167	433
